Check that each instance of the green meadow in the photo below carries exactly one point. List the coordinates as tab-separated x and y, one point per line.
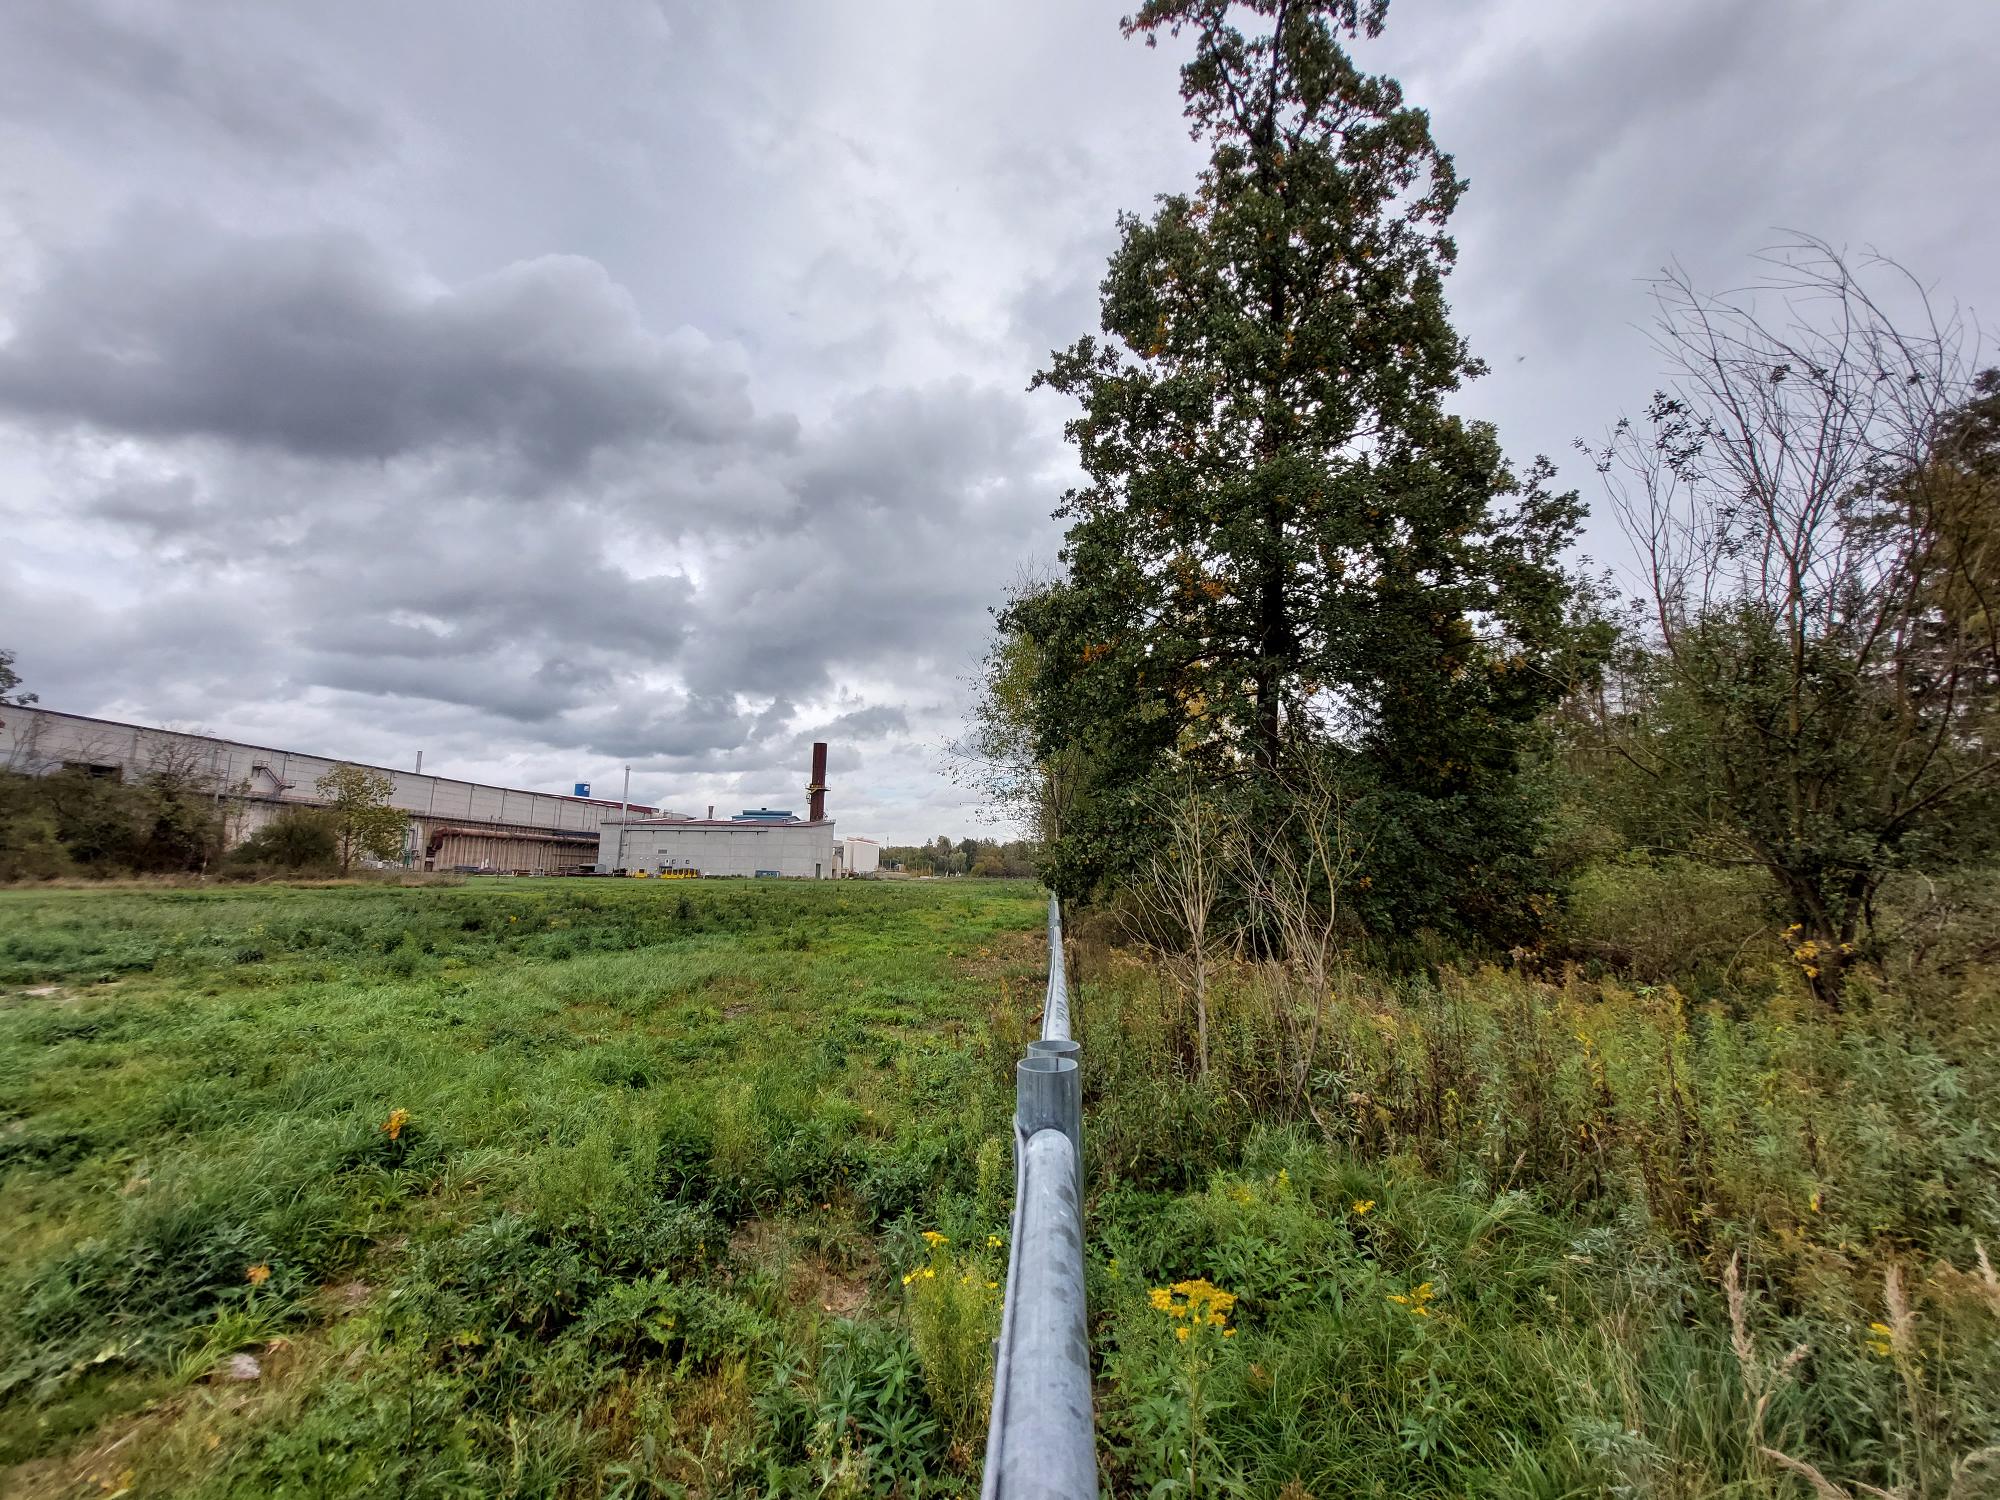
577	1188
513	1187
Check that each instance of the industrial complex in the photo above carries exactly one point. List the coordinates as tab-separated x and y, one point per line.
455	825
757	841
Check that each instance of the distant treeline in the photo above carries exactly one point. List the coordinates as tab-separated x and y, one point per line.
941	856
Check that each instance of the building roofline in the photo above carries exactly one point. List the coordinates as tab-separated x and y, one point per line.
216	739
758	824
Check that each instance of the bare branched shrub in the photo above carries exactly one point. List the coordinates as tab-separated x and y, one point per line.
1295	874
1179	899
1811	496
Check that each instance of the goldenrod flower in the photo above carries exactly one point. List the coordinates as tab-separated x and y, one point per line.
992	1242
1881	1343
1417	1299
393	1126
1362	1206
1193	1304
257	1275
934	1239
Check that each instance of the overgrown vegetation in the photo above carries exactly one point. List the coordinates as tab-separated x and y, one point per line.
508	1188
1552	1234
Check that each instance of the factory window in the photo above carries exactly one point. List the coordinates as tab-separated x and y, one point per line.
101	773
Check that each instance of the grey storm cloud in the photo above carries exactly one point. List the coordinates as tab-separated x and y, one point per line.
116	71
558	393
320	345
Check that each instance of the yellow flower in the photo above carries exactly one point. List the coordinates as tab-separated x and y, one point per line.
1229	1333
909	1278
257	1275
992	1286
1417	1299
934	1239
929	1274
1193	1304
992	1242
1361	1206
1881	1344
393	1126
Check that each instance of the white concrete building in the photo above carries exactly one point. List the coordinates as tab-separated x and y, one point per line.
792	849
855	855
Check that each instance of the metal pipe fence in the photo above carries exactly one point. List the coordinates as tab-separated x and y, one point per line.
1042	1442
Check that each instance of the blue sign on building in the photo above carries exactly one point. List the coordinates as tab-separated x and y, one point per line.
583	789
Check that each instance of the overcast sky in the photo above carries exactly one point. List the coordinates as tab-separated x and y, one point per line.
551	387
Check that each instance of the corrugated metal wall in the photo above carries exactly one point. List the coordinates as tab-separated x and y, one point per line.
496	851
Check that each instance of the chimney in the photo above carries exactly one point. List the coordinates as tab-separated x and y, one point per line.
816	788
711	812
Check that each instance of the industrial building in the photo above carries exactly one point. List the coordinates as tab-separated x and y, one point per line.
758	841
454	825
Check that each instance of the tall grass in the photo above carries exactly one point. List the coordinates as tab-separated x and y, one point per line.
1487	1251
511	1188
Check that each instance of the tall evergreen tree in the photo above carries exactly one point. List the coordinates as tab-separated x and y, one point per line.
1286	546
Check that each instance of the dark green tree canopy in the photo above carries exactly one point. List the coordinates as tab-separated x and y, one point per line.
1285	542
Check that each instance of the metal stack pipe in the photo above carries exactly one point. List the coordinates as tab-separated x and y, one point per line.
1041	1443
816	788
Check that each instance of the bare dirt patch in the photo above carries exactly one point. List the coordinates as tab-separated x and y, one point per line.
836	1284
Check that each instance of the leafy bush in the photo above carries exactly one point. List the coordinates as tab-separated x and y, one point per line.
1659	918
296	839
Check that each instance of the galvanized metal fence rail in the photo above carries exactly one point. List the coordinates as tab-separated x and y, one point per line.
1042	1443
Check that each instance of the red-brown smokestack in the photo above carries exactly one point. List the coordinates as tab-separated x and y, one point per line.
816	788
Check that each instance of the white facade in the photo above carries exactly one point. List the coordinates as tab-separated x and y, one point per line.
855	855
799	851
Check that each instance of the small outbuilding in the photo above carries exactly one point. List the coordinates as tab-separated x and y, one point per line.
855	855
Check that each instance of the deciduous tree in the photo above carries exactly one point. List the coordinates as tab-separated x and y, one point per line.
1816	495
1285	544
10	682
358	810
